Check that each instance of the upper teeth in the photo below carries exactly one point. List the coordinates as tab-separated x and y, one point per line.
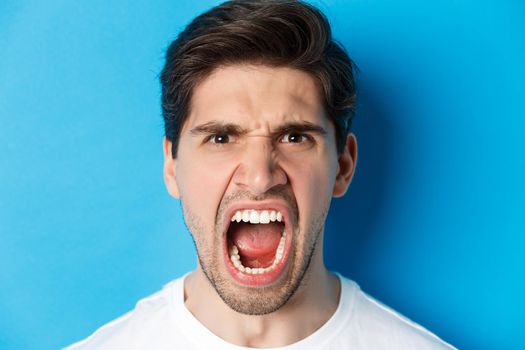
257	217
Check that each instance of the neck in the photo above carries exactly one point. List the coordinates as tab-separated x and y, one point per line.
309	308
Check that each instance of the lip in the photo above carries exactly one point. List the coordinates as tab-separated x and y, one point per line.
270	276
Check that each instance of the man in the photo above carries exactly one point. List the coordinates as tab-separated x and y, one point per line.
257	102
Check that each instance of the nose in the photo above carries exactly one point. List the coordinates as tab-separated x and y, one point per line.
259	169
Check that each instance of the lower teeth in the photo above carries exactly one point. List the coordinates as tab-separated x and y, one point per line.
236	259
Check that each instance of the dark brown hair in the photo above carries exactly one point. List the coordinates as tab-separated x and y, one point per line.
274	33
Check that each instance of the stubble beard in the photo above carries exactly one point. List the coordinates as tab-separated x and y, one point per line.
246	300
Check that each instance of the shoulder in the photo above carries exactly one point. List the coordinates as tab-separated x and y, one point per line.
380	327
149	319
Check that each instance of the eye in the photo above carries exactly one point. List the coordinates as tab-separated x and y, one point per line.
294	137
218	138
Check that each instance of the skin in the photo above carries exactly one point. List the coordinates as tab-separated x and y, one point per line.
255	161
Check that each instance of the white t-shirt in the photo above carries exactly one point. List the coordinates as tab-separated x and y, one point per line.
162	321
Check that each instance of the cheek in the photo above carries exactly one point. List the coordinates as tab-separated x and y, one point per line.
201	187
313	183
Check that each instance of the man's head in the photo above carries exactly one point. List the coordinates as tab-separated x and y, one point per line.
276	33
257	101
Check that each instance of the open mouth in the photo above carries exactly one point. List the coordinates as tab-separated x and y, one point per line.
257	245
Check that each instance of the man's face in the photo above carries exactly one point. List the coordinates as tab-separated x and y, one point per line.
256	169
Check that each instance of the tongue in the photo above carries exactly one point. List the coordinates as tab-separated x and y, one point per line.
257	243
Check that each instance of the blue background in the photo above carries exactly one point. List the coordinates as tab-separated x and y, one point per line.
432	225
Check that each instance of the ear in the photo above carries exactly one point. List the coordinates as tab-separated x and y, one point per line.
347	162
169	169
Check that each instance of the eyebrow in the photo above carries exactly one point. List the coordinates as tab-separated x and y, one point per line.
303	126
219	127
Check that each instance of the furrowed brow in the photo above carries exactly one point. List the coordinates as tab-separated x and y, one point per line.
300	127
217	127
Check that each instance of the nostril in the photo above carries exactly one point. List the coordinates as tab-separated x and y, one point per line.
259	178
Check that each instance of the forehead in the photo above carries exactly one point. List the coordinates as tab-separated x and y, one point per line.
255	94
